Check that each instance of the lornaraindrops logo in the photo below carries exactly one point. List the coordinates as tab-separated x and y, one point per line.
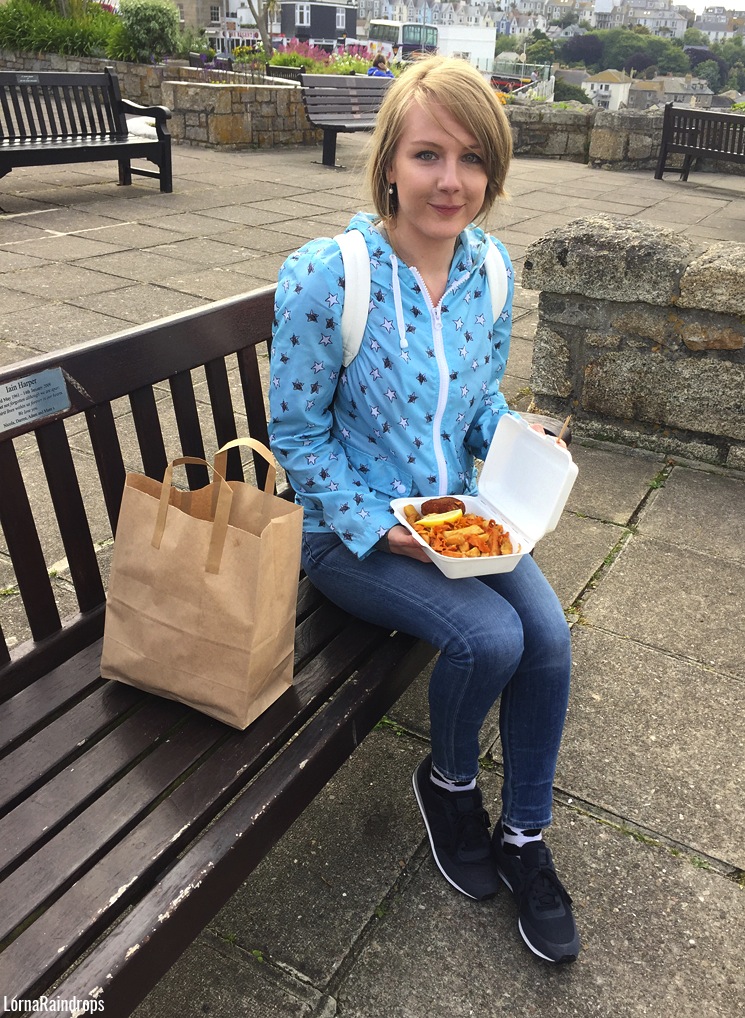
73	1008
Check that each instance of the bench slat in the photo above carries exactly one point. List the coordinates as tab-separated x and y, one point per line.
99	896
17	522
26	711
255	405
186	898
108	455
149	431
221	402
189	430
76	848
33	822
71	516
60	743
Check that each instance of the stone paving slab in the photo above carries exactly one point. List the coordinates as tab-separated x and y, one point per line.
644	741
138	304
688	603
68	325
699	510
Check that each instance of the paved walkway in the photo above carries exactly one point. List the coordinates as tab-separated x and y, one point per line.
348	915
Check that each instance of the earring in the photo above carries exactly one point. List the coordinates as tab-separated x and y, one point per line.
390	189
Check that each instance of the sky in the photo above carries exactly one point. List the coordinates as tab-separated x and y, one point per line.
699	5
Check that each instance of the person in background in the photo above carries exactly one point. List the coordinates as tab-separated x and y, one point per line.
379	68
408	416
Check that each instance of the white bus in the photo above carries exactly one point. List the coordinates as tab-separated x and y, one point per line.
401	40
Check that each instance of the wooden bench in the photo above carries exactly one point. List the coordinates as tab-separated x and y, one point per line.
699	134
341	103
126	820
49	118
286	73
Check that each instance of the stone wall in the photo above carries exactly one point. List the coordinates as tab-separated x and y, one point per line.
641	336
237	116
260	116
552	132
141	83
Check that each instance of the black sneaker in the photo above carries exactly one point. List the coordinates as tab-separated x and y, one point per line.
546	922
458	829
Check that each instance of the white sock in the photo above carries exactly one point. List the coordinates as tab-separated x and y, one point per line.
518	838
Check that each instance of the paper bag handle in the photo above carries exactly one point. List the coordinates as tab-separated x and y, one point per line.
221	459
222	511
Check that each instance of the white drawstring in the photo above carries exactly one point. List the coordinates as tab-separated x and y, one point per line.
403	341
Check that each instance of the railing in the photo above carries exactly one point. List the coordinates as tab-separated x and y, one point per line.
538	89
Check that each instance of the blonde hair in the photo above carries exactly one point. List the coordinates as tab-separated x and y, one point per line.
461	90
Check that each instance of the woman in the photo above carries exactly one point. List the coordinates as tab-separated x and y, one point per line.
407	416
379	68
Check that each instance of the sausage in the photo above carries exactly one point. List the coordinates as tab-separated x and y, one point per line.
445	504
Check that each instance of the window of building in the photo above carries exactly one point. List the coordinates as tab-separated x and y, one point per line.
180	8
214	12
341	19
302	14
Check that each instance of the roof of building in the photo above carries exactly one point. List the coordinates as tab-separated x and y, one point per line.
611	75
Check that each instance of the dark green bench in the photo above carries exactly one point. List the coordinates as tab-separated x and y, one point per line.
699	134
49	118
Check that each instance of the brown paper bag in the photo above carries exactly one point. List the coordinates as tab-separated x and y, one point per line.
203	590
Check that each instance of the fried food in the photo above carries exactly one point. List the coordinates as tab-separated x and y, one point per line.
467	536
444	504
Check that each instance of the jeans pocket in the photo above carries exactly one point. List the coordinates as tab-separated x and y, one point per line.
316	547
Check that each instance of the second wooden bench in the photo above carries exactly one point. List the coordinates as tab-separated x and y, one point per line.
341	103
700	134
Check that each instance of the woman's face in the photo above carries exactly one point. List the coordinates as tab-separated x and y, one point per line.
440	179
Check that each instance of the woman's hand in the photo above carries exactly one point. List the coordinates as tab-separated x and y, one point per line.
542	431
401	542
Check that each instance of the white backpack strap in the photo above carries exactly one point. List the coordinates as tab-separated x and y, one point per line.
356	262
496	274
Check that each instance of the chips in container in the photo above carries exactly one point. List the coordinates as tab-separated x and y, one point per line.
524	485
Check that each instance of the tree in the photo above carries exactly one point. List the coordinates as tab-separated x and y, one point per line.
694	37
582	49
618	45
709	71
565	92
504	44
736	78
263	11
149	28
540	52
673	61
638	62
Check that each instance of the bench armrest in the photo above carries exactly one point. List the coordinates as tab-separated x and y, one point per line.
159	113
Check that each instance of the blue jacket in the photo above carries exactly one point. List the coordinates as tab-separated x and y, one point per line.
418	403
375	72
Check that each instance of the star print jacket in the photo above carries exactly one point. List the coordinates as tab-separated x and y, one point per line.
416	406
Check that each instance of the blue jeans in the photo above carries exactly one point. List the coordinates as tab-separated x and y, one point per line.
502	635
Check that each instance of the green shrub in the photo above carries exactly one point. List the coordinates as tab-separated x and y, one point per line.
29	27
565	92
148	31
190	40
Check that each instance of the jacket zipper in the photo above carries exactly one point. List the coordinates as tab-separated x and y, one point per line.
444	378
